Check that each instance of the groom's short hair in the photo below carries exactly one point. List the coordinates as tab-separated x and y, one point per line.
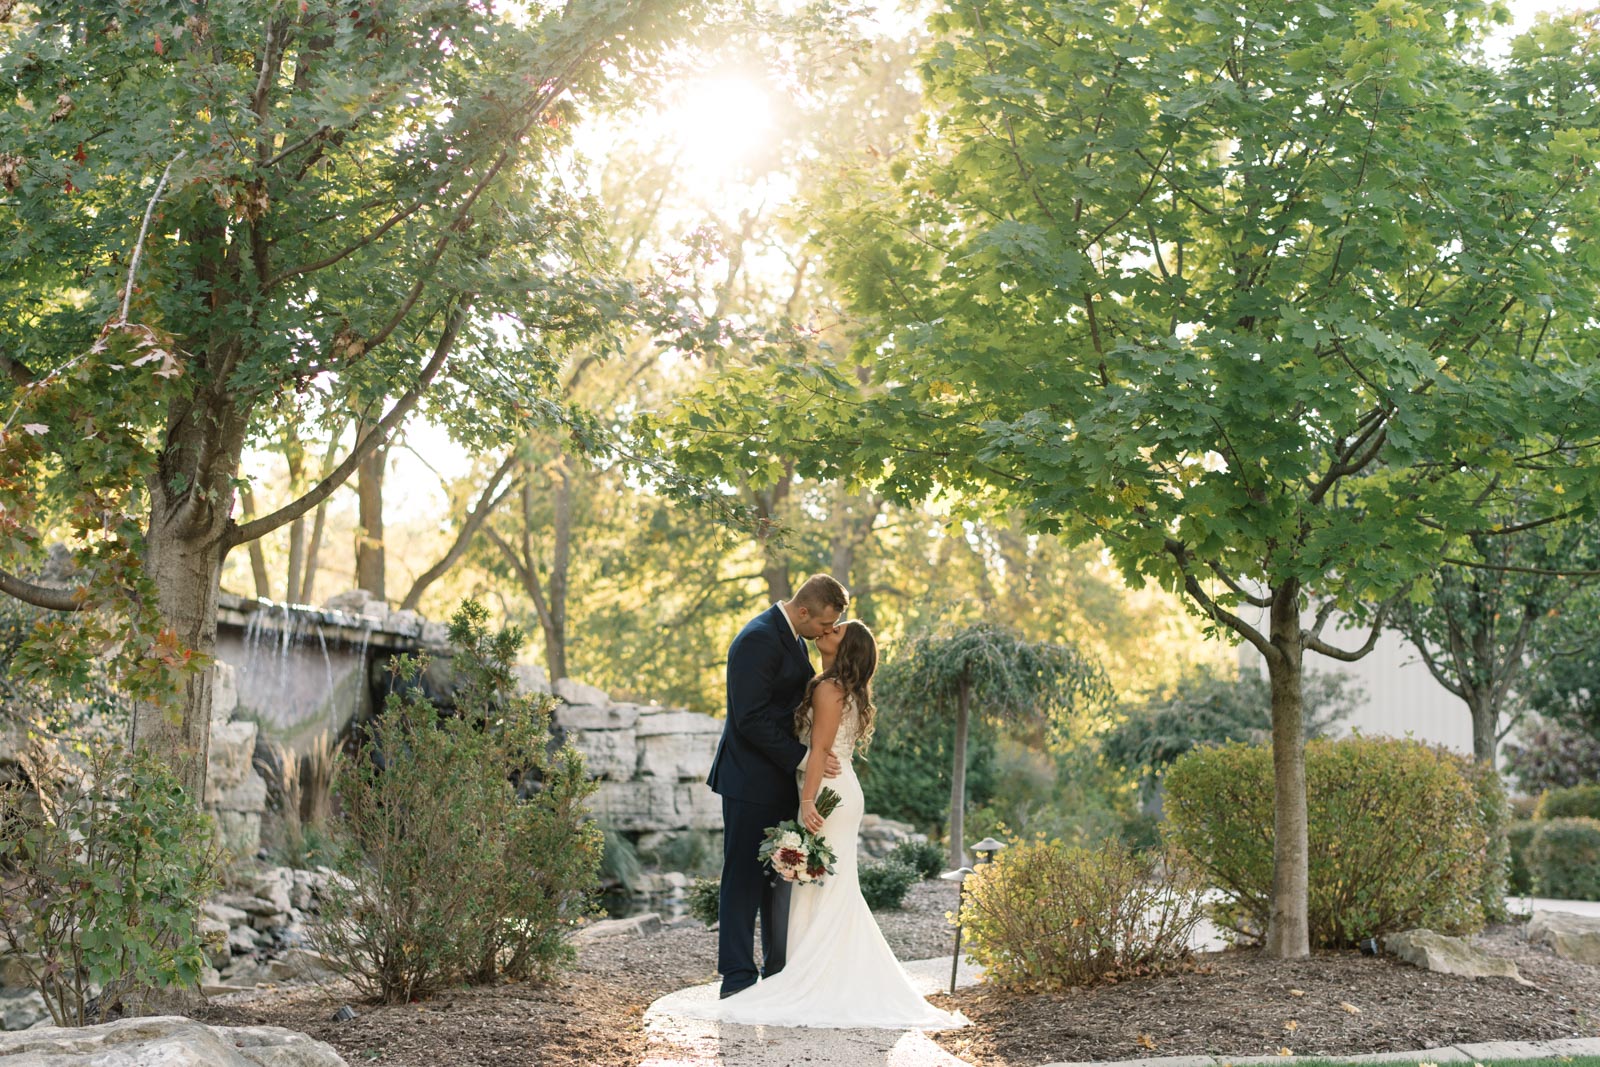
822	591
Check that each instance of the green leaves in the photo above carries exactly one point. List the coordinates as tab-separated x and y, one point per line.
107	876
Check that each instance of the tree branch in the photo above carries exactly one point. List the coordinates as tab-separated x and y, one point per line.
1192	586
1317	644
49	597
238	535
491	498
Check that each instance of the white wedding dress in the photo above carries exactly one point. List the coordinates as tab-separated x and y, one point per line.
840	971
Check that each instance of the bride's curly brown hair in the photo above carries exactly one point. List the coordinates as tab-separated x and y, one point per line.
853	667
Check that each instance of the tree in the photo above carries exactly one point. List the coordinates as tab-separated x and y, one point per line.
1206	707
276	213
1279	305
991	671
1490	622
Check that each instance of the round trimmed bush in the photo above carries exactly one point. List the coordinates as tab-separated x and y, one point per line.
1396	830
1048	916
1564	859
1519	835
924	857
704	898
885	884
1573	802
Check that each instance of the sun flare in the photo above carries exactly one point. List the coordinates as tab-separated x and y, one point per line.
718	125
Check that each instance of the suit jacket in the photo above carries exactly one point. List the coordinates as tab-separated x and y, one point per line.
768	669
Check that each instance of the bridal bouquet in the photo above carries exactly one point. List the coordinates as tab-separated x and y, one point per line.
795	852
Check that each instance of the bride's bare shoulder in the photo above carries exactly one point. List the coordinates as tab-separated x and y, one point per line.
828	693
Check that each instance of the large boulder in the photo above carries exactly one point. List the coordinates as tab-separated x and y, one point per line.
21	1008
165	1041
233	744
609	754
595	716
1573	937
577	693
1449	955
657	805
676	756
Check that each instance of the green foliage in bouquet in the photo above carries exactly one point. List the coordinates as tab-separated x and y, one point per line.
819	857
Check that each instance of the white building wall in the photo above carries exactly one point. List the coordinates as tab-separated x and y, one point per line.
1401	697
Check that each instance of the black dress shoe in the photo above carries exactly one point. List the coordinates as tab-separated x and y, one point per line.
726	993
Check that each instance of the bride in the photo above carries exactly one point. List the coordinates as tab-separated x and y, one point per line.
840	970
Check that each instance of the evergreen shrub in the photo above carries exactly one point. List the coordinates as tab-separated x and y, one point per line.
102	873
1519	836
1047	916
1564	859
924	857
1572	802
1397	832
886	884
450	874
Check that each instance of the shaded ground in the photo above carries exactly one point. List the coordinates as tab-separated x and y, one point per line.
1230	1003
1240	1003
592	1016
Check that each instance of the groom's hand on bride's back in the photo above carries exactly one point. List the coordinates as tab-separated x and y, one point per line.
833	768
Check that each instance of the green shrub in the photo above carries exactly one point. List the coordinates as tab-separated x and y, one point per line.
1047	916
619	860
1396	832
449	875
1564	859
1519	835
1494	812
885	884
906	773
693	852
704	899
1573	802
924	857
104	877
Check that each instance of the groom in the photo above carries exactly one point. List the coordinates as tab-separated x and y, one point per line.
754	771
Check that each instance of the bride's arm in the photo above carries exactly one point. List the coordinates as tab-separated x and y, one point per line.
827	709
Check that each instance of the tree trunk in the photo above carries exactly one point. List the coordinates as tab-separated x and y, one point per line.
308	586
369	532
184	552
560	566
258	557
1289	932
1485	726
958	779
295	457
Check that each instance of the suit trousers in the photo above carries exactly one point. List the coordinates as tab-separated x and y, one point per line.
749	887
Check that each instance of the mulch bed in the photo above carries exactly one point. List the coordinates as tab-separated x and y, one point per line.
1228	1003
1239	1003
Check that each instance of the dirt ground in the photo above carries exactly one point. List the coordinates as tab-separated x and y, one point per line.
1230	1003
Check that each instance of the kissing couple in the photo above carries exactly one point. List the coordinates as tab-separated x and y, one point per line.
789	728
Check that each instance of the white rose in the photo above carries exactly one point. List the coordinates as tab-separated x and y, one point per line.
790	839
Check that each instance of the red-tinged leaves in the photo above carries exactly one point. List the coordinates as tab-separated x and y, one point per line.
159	47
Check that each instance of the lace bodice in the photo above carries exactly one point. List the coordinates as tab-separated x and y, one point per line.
844	742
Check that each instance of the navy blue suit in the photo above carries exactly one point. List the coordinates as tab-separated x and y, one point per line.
754	771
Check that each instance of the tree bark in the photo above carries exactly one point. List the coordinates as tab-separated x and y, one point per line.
185	548
1289	932
560	566
958	779
294	454
318	525
258	557
369	531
